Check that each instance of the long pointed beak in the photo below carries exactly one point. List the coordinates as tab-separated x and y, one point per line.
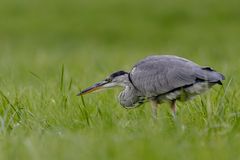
93	88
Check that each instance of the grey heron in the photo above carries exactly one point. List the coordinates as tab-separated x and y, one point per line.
158	79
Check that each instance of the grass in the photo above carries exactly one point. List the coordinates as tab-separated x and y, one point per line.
50	50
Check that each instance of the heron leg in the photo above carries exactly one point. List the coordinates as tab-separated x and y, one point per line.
173	107
154	105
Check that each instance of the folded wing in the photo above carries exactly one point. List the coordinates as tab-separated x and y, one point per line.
157	75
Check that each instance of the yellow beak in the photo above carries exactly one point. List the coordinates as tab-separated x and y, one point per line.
93	88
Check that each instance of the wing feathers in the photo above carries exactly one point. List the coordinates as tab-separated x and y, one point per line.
160	74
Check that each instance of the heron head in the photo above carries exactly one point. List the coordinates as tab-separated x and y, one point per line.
115	79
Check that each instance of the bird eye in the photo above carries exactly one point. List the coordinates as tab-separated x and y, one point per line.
108	79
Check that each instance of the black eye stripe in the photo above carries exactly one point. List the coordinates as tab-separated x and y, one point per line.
118	73
108	79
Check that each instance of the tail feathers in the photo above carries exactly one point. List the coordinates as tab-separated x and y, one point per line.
210	75
222	76
216	76
219	82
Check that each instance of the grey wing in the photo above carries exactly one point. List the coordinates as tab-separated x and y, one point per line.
156	75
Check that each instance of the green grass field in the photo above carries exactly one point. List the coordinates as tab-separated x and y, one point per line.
50	50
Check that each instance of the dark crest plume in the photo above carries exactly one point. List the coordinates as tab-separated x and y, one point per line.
118	73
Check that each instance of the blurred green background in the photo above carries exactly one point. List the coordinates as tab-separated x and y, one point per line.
50	49
75	29
72	32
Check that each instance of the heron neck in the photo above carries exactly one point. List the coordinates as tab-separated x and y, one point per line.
127	82
128	97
